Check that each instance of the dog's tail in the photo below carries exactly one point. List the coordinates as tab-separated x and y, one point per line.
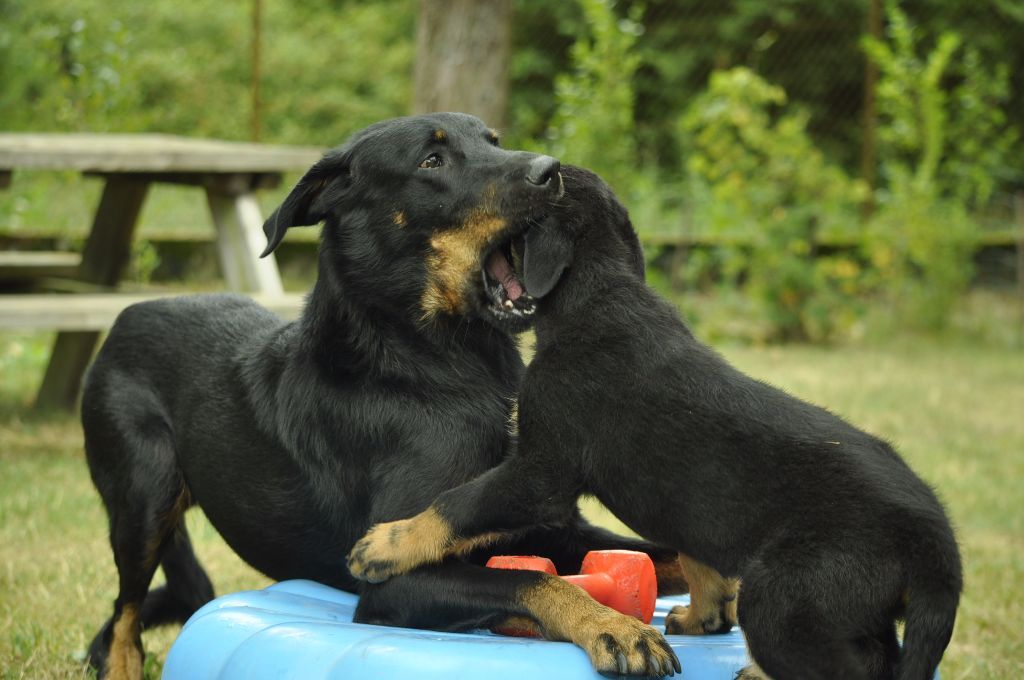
936	579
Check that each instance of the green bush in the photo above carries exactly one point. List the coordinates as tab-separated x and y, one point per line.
593	124
184	68
941	150
766	196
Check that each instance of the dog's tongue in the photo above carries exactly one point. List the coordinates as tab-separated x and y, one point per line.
501	270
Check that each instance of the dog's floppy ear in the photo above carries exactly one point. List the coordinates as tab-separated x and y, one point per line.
547	254
306	203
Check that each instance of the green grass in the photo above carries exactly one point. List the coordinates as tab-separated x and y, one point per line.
954	410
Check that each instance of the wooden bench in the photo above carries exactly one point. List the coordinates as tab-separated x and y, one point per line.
97	312
229	173
18	265
86	315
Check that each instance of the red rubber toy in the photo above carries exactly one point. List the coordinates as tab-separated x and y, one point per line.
621	579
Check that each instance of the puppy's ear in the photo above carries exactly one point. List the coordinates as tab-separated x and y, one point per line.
547	254
308	202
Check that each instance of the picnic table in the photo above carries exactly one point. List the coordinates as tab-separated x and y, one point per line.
229	173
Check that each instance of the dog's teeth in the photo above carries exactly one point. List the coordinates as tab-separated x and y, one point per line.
509	304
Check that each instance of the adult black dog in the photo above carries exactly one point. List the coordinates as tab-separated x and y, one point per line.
832	535
396	383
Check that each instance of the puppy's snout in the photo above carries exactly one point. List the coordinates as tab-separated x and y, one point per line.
542	170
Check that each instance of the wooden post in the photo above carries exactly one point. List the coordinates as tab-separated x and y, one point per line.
1018	203
463	49
104	258
240	238
869	115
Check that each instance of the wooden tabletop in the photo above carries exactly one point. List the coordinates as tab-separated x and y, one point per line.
97	312
143	153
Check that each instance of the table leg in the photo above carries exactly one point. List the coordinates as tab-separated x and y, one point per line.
104	258
240	240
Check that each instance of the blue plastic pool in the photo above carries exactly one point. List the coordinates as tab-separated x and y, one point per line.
304	630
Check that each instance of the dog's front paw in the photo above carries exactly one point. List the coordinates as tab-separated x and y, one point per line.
717	618
623	645
373	557
394	548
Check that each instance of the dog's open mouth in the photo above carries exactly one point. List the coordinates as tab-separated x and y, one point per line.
505	295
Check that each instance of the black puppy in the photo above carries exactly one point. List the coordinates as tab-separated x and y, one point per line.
832	535
396	383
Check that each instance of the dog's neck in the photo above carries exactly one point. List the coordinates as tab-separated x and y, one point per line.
345	333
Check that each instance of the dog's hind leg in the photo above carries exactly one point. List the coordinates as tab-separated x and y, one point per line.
712	602
187	589
752	672
789	636
806	658
133	465
880	653
801	654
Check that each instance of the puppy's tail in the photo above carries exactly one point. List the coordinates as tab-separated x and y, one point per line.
936	579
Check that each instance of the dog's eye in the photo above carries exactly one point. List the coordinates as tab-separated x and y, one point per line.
431	161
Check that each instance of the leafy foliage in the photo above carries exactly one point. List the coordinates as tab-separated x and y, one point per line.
942	147
329	68
810	48
753	166
766	195
593	125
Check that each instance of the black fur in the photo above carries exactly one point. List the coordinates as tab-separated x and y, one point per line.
294	438
829	530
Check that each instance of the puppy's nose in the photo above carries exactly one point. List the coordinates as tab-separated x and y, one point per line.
542	169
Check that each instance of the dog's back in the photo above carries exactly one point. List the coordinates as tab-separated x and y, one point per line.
174	340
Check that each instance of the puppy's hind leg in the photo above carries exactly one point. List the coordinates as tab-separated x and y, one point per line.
880	653
752	672
788	636
145	497
712	601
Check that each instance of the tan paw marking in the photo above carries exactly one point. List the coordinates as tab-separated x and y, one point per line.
621	644
615	643
712	602
395	548
689	621
124	662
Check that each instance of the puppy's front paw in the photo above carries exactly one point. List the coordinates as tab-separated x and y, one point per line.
695	621
373	558
394	548
623	645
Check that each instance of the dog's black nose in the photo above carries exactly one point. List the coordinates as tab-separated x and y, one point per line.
542	169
